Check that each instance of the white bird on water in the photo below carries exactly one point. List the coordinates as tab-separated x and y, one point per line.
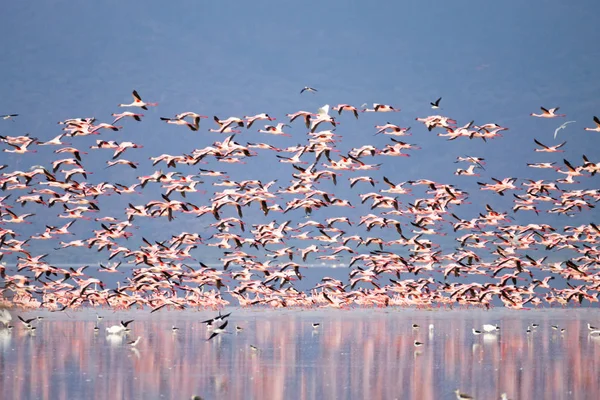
115	329
563	126
490	328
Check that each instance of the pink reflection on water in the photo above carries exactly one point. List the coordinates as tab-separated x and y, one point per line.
350	355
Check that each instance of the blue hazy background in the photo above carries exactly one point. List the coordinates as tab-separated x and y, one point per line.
492	62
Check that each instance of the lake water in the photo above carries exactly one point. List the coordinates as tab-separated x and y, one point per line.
358	354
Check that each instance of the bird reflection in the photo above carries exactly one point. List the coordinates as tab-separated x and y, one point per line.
279	357
5	338
135	352
115	339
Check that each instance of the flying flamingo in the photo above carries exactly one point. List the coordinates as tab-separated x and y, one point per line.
381	108
194	126
137	102
122	115
122	162
22	149
597	128
16	219
549	149
262	116
275	130
346	107
548	113
56	141
467	172
304	114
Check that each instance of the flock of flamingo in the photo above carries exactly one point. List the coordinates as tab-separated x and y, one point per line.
492	258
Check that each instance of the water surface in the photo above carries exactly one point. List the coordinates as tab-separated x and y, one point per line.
351	355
